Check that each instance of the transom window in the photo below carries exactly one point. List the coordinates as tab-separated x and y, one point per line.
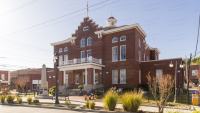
60	50
123	52
89	41
115	40
123	38
115	76
123	76
66	49
115	54
83	43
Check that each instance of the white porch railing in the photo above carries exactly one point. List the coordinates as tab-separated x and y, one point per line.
80	60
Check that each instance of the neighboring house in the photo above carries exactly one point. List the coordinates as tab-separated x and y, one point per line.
111	56
28	78
5	77
193	73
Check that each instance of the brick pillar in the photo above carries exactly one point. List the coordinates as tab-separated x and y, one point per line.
90	75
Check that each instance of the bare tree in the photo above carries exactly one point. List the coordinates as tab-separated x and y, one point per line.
165	84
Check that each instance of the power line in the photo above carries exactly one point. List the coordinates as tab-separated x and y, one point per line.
23	60
53	19
18	7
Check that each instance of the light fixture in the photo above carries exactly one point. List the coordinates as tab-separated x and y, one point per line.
171	65
181	65
53	76
106	72
100	72
178	71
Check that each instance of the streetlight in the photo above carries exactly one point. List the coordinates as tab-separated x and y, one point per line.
181	66
56	57
51	77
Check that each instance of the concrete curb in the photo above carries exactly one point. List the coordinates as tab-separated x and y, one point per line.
63	108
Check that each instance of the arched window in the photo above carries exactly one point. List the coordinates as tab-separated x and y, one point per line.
89	41
123	38
114	40
60	50
66	49
83	43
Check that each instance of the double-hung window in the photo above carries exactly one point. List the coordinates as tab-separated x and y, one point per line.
115	77
77	79
139	76
194	72
82	54
139	56
60	60
115	53
96	78
89	41
123	52
89	53
66	59
159	74
83	43
3	76
123	76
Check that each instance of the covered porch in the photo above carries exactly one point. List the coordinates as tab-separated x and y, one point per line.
87	74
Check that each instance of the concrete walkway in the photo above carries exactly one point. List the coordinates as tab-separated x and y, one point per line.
74	100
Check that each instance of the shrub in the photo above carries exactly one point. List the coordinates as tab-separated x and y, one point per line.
196	111
67	103
91	105
125	89
36	101
80	87
19	100
144	87
29	99
3	98
110	99
10	99
87	103
131	101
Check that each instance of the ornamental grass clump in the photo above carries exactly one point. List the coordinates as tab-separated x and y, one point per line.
2	98
36	101
10	99
87	103
67	103
29	99
19	100
131	101
110	99
91	105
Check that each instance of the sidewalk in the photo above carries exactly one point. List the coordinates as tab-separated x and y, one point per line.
74	100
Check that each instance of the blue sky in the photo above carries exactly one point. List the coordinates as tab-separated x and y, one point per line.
171	26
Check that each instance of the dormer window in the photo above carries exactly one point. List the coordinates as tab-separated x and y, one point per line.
89	41
123	38
85	28
60	50
66	49
83	43
115	40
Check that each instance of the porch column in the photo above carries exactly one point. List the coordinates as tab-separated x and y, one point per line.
86	76
94	75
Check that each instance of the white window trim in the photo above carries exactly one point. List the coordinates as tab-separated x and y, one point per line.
85	27
60	51
120	54
112	54
61	56
81	53
114	41
121	37
81	42
67	57
88	41
120	77
64	49
117	77
3	76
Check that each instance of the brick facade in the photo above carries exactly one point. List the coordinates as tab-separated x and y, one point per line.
138	56
5	77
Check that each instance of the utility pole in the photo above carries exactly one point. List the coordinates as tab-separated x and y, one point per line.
188	96
186	71
175	82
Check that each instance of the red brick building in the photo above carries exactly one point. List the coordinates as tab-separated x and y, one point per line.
193	73
112	56
5	77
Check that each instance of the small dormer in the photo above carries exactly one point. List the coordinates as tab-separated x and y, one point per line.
111	22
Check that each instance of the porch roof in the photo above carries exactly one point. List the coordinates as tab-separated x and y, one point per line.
81	66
